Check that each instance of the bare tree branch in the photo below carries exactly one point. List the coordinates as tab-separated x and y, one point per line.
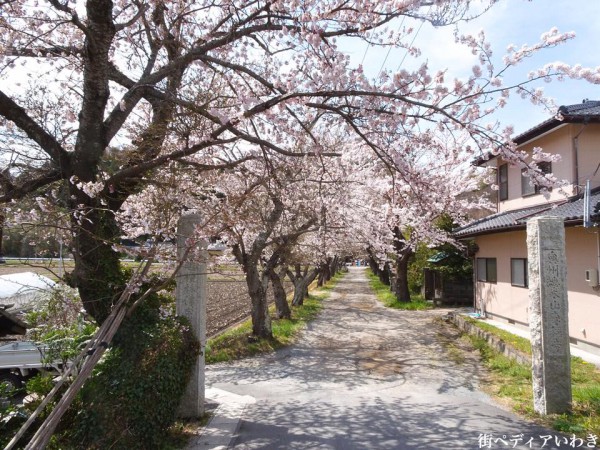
12	111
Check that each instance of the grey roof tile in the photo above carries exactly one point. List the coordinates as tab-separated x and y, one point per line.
587	108
573	209
570	210
498	221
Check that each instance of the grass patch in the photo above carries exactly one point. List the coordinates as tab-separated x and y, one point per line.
512	381
517	342
236	343
455	353
389	299
183	430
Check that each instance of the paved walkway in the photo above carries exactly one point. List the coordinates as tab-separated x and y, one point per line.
361	377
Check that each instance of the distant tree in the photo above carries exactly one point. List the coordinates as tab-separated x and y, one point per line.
455	263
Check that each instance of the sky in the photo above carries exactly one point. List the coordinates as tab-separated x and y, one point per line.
515	22
508	22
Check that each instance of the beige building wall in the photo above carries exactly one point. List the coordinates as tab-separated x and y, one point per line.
588	140
584	300
500	298
503	301
575	166
559	142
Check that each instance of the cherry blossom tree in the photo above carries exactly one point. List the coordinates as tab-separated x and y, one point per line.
105	93
318	255
269	207
263	209
398	208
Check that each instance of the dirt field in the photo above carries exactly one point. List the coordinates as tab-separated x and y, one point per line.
228	301
50	271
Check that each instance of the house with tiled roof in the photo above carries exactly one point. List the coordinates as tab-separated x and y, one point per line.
501	284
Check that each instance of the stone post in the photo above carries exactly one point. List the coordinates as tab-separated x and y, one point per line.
548	315
190	296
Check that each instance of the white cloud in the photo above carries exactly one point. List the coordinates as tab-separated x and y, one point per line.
515	22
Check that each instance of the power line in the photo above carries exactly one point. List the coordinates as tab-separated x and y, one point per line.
390	49
365	54
413	40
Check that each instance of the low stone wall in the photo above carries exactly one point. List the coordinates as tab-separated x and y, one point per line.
495	342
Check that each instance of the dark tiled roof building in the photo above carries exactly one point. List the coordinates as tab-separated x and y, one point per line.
571	211
500	263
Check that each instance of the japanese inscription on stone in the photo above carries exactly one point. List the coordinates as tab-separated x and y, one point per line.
548	315
553	310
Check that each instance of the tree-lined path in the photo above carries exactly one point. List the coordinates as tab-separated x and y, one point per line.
366	377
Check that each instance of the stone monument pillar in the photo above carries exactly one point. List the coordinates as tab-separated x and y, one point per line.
190	296
548	315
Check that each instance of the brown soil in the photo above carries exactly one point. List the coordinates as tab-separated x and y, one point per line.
228	301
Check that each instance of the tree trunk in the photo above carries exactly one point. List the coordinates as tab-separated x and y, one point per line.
257	284
402	292
97	273
374	266
403	254
301	283
384	274
321	279
333	267
281	305
261	321
324	273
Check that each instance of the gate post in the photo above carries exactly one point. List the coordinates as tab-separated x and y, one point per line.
548	315
190	296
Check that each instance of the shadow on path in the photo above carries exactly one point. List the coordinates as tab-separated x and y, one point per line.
364	376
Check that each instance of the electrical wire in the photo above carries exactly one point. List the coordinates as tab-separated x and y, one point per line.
390	48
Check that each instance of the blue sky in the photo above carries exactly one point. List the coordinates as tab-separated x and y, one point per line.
515	22
507	22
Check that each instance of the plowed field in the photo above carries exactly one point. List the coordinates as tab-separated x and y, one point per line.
228	303
228	300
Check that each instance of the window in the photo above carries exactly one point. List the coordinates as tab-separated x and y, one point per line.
503	182
486	270
527	188
518	272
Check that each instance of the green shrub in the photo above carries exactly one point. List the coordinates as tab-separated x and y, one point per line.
59	324
11	415
453	267
134	393
133	396
41	384
388	298
418	262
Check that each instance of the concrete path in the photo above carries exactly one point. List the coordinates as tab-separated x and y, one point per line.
364	377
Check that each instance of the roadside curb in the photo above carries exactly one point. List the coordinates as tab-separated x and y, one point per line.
222	428
495	342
